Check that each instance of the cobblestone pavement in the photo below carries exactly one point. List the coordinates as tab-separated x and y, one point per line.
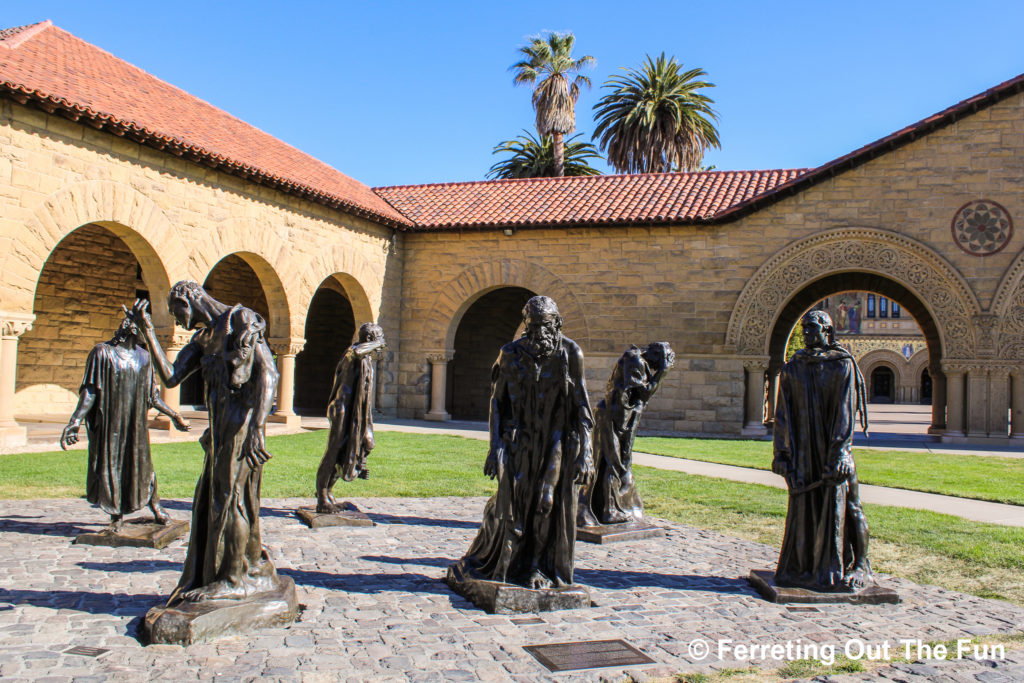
377	610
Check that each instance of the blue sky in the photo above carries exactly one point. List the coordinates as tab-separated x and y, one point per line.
395	93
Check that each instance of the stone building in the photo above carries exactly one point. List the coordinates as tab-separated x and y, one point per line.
114	184
887	344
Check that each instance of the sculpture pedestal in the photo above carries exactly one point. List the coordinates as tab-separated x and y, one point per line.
348	515
137	533
495	597
194	622
612	533
763	580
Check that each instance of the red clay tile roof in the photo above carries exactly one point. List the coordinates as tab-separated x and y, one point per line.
47	67
645	198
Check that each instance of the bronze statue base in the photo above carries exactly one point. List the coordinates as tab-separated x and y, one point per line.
195	622
614	533
495	597
348	515
137	533
763	580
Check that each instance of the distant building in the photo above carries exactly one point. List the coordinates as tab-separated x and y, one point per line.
886	341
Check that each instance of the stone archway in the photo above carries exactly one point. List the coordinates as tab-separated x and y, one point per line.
456	298
889	263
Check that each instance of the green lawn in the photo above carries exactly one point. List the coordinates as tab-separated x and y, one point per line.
926	547
969	476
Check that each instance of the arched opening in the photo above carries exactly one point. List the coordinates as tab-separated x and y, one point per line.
232	281
882	385
330	328
926	387
863	329
85	281
489	323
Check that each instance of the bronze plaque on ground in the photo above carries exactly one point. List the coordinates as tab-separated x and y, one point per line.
587	654
137	533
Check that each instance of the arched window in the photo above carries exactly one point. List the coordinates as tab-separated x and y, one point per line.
883	307
871	305
895	310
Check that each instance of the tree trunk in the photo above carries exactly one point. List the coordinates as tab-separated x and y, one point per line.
559	151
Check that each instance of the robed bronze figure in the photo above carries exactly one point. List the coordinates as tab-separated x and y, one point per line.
225	558
821	394
612	497
350	412
116	394
540	452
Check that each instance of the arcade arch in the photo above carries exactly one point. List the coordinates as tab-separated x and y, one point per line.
86	278
490	322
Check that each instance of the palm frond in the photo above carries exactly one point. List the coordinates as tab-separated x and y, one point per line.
533	158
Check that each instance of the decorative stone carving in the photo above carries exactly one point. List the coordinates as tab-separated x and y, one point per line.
287	346
904	260
982	227
985	327
13	325
440	357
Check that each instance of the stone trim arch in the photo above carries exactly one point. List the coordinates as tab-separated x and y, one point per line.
264	251
1004	326
918	362
459	294
127	213
911	264
362	282
887	358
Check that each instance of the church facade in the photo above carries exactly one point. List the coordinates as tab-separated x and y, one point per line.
114	184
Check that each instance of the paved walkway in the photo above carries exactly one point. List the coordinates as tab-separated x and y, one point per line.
377	610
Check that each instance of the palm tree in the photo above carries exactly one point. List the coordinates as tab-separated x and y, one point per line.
655	119
536	159
548	65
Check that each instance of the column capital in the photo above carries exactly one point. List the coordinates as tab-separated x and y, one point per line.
13	325
756	363
441	356
173	337
287	346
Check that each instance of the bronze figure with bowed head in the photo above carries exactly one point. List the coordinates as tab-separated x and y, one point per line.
116	394
541	430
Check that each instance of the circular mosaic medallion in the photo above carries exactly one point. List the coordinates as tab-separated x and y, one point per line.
982	227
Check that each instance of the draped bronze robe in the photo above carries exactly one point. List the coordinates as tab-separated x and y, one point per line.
541	414
120	477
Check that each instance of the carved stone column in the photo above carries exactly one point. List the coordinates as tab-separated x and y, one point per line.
938	399
976	399
754	396
1017	403
286	349
12	326
998	392
438	385
954	399
173	340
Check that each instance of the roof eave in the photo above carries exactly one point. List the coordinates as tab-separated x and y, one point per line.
169	144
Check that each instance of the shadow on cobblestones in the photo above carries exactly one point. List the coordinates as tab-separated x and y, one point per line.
424	521
118	604
138	566
14	524
611	578
426	561
368	583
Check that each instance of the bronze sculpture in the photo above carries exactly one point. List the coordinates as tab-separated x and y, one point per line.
612	497
116	393
226	560
541	430
350	414
825	545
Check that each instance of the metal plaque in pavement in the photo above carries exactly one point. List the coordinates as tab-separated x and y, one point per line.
587	654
